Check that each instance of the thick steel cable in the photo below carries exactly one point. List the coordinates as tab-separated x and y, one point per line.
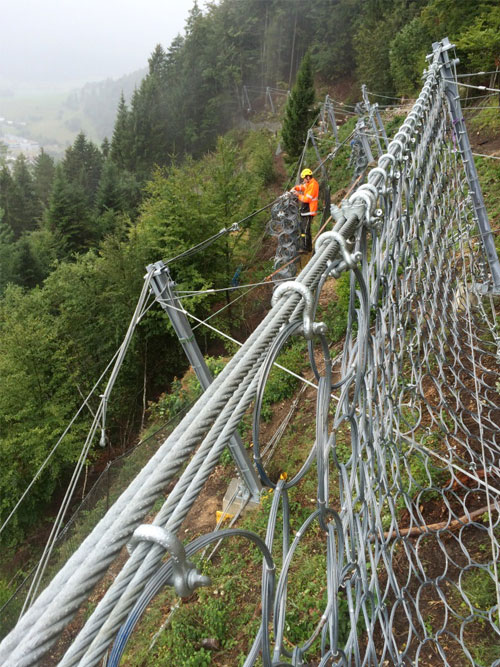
407	391
111	533
121	584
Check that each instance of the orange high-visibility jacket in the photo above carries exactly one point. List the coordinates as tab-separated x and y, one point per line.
308	193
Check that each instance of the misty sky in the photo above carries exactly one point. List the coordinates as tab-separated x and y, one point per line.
75	41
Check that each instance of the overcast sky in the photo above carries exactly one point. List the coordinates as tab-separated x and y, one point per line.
75	41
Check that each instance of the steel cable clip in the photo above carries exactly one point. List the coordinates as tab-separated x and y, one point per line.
186	577
309	327
349	260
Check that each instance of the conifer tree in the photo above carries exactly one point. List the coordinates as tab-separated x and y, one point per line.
149	116
82	166
121	141
43	174
26	209
68	214
299	112
105	147
18	198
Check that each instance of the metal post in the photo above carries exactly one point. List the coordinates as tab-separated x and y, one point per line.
468	159
381	126
369	109
269	97
246	99
331	115
361	133
310	136
163	287
366	99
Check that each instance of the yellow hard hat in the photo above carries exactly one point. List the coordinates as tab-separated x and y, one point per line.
305	172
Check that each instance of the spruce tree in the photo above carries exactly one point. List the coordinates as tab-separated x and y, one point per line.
122	139
299	111
82	166
68	214
43	173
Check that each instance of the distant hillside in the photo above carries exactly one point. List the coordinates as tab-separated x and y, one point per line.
54	119
98	102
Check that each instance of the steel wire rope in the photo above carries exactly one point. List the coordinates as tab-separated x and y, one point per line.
311	271
55	533
460	76
183	294
164	574
493	157
99	417
469	85
52	451
391	97
75	514
307	273
174	522
237	342
103	529
171	515
400	148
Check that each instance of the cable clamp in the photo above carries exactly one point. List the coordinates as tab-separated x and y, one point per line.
234	227
349	260
368	193
309	328
186	578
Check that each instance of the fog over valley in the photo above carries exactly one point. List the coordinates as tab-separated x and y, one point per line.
49	51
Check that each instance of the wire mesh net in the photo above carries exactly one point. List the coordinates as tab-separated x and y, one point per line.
406	447
406	451
418	484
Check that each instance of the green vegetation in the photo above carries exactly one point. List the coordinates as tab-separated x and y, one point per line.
58	336
299	110
76	236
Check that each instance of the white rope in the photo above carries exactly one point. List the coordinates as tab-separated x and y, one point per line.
237	342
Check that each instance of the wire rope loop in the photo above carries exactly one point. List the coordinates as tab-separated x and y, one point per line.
368	198
274	350
327	237
326	357
377	170
164	573
332	555
399	143
322	446
387	156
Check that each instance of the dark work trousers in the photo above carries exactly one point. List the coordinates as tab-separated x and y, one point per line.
305	229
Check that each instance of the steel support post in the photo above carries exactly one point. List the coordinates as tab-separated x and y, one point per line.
331	116
370	110
361	133
460	130
163	288
246	99
381	126
310	136
270	99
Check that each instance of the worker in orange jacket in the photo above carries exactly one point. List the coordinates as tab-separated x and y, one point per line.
308	193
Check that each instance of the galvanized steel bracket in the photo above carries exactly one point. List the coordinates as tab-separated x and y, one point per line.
309	327
186	577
